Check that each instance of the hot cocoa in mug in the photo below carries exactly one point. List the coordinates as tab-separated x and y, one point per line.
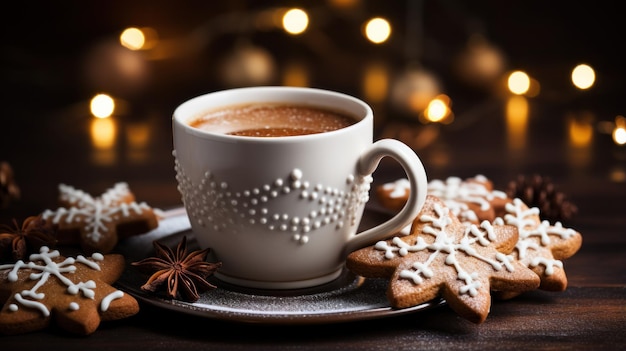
280	204
272	120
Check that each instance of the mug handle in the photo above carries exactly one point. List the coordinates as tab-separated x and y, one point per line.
416	175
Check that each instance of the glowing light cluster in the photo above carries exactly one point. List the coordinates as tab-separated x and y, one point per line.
417	90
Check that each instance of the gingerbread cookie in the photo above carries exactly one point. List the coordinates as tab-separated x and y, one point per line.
73	293
541	245
393	195
472	200
444	258
98	223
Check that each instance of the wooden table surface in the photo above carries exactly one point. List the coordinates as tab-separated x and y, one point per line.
46	139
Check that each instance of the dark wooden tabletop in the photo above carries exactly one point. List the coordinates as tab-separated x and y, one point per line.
46	137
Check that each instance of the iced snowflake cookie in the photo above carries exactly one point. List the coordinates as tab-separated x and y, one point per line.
98	223
541	245
444	258
472	200
73	293
393	195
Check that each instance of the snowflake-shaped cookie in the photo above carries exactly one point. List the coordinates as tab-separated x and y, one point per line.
541	245
98	223
473	200
74	293
445	258
393	195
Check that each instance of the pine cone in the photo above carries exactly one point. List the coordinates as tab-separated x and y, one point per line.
540	192
8	187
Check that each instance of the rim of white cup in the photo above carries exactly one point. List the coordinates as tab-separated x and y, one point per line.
193	108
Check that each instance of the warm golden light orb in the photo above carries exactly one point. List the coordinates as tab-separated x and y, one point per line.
619	133
376	82
102	106
580	131
377	30
518	82
516	113
133	38
437	110
295	21
103	133
583	76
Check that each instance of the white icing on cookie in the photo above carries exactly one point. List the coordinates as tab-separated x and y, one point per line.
106	301
445	243
534	234
457	194
44	267
95	215
398	189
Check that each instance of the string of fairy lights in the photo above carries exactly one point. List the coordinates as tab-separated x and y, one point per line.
417	91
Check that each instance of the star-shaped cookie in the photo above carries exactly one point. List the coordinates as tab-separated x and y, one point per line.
73	293
98	223
541	245
444	258
472	200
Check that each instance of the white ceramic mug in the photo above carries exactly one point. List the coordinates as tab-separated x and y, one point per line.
282	212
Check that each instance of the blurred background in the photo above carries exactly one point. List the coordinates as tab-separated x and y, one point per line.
89	86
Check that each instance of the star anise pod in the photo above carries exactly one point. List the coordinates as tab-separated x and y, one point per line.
17	242
184	274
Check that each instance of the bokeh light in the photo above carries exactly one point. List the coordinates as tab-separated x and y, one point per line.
480	63
248	64
377	30
518	82
580	130
116	69
102	106
517	112
132	38
295	74
295	21
583	76
103	133
619	133
376	82
414	90
438	110
534	88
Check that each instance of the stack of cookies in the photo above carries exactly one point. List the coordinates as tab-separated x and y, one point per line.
41	286
468	243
